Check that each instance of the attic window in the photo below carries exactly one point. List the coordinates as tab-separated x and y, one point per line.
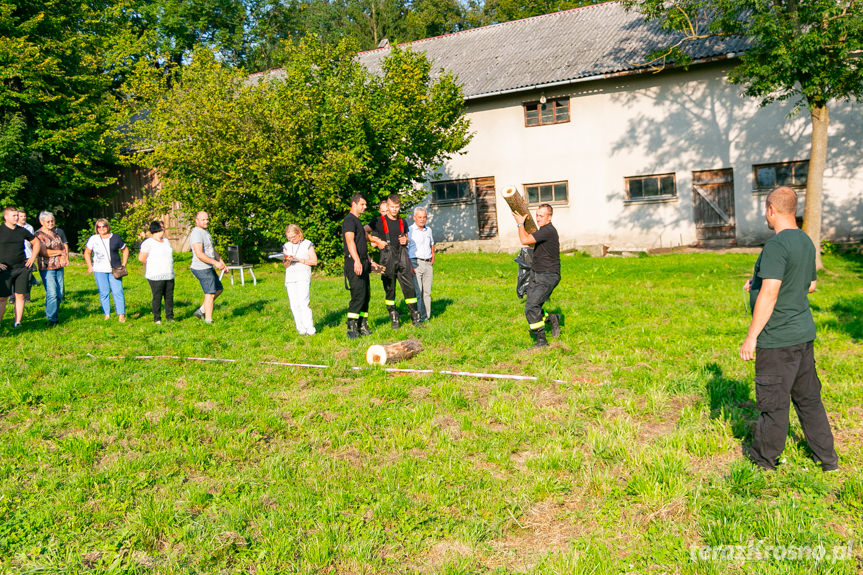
544	113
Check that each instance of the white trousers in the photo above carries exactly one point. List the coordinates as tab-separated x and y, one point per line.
298	295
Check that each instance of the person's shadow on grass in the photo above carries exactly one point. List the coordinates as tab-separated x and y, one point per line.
730	399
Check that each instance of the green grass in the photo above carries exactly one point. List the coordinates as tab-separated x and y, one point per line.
175	466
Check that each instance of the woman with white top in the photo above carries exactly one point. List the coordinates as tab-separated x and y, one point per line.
157	255
300	257
104	252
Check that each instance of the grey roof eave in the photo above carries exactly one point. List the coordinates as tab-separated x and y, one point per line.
604	76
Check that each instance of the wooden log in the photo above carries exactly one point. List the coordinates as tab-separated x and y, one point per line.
393	352
519	206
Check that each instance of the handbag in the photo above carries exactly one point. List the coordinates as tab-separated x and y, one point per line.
119	271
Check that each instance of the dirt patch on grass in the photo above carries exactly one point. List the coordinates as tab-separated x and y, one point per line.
448	424
419	392
206	406
350	454
544	529
521	458
494	470
715	464
441	553
550	397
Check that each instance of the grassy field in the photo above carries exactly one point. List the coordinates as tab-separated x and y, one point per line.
632	465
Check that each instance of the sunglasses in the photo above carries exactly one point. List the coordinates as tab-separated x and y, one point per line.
101	226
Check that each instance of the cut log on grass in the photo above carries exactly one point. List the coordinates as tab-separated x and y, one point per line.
519	206
393	352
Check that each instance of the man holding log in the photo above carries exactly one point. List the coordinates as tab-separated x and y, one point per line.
545	272
357	267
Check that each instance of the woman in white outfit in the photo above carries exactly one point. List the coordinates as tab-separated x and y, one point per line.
299	258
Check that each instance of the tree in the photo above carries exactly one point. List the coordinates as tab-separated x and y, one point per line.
494	11
56	104
264	152
807	50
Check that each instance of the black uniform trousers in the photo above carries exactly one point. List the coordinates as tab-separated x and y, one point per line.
360	288
398	269
783	376
538	291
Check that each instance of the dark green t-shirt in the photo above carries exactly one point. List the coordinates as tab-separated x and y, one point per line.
788	256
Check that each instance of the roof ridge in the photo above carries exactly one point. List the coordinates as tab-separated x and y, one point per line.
495	25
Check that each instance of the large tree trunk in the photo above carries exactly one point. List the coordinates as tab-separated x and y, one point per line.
815	179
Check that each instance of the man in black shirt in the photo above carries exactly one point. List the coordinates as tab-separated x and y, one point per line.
545	272
391	236
15	267
357	267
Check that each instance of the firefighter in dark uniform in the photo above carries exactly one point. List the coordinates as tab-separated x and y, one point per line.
357	268
544	275
390	234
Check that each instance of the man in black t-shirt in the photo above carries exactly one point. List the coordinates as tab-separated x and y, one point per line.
391	235
357	267
545	273
15	267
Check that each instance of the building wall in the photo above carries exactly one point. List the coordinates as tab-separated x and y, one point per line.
674	122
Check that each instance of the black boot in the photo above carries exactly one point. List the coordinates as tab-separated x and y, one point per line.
539	334
352	328
394	317
364	326
553	321
415	315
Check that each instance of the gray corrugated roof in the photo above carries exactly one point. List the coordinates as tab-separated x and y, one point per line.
577	44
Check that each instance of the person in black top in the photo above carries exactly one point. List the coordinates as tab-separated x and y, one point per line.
357	267
15	267
391	235
545	273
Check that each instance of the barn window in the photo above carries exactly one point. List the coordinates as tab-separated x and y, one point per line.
791	174
658	186
451	191
554	111
548	193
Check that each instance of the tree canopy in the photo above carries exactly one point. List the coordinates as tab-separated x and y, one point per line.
56	79
810	51
259	153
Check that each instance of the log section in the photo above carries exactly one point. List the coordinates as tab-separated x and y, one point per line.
519	206
393	352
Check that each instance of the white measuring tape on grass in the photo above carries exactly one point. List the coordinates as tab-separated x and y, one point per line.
480	375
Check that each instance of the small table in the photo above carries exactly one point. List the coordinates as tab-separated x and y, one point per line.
242	269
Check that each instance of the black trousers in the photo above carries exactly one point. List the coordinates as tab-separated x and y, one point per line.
360	289
162	289
398	270
783	376
538	291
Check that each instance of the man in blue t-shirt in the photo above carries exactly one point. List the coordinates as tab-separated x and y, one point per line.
780	339
544	273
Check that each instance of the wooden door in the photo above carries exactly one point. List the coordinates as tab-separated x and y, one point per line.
713	207
486	208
